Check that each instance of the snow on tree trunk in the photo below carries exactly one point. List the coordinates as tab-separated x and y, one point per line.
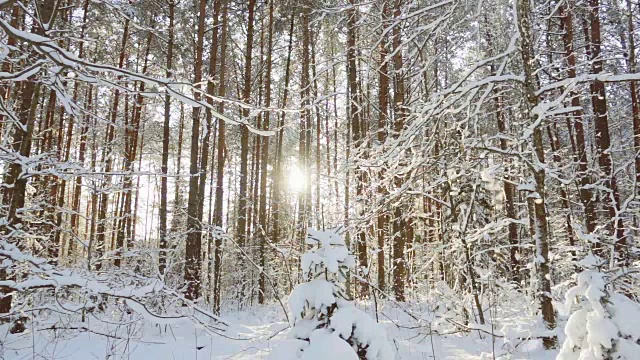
326	324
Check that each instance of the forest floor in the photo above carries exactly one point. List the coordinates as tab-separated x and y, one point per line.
253	332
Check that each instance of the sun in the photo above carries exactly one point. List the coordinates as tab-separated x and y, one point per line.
296	178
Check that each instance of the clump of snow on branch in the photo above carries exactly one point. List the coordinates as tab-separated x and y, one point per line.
326	324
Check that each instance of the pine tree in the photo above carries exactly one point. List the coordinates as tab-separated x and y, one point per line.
326	324
604	322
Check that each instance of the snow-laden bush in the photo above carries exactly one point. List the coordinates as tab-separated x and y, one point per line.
326	324
606	325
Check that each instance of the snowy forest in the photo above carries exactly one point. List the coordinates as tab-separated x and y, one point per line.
319	179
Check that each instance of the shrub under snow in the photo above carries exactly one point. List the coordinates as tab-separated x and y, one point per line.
326	324
605	326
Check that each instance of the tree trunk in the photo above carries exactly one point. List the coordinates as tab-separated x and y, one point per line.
204	157
193	246
541	237
633	88
508	186
586	194
75	202
304	144
164	168
221	157
383	105
277	172
262	212
399	223
357	135
5	89
602	136
177	195
318	152
77	193
241	227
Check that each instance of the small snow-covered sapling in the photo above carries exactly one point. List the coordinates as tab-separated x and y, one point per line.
326	324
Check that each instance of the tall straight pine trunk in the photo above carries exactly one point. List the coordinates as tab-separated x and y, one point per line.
221	158
164	167
193	246
241	225
355	115
262	211
542	233
399	225
383	107
602	135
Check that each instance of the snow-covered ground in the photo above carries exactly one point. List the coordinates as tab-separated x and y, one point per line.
252	334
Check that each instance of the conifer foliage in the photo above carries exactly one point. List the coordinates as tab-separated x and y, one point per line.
328	325
604	326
